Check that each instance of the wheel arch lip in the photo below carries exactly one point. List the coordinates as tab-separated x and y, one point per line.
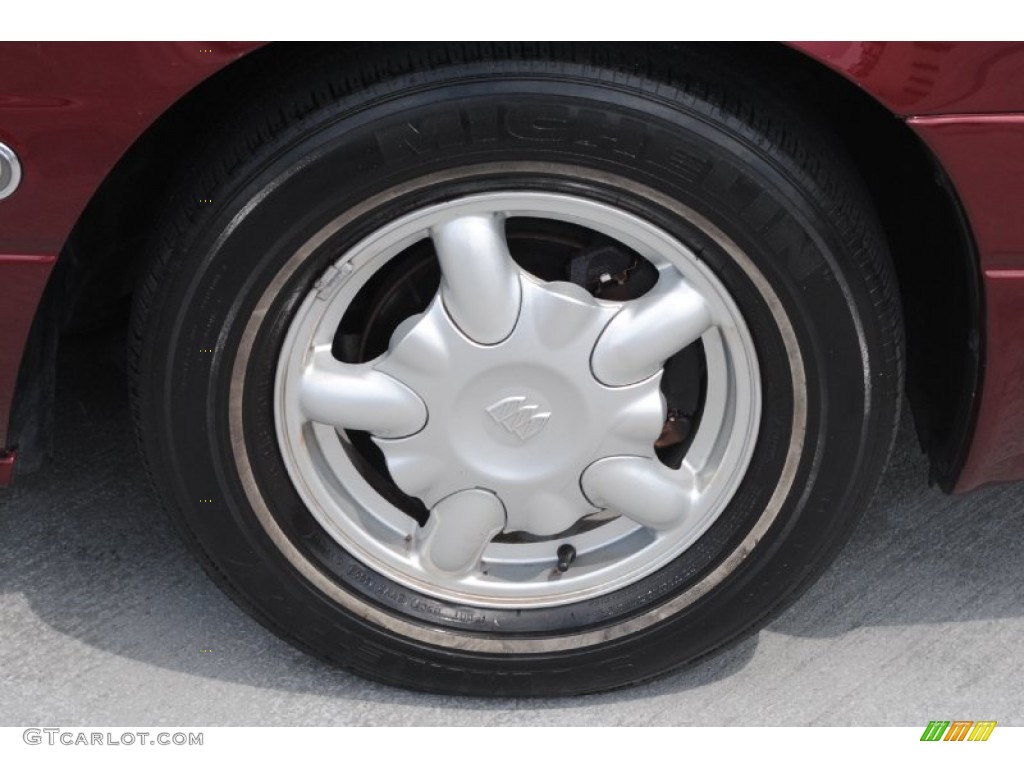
58	118
962	102
961	117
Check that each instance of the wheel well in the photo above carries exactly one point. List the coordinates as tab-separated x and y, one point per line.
928	235
932	249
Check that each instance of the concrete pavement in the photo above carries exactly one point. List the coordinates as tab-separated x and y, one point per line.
106	619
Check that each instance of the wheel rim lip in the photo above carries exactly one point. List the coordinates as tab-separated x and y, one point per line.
366	517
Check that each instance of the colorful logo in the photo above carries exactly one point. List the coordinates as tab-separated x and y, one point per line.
958	730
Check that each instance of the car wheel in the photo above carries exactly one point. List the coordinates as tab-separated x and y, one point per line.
515	371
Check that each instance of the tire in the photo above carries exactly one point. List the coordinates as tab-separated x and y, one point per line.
517	371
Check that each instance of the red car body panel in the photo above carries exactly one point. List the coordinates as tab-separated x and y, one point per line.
71	111
931	78
964	100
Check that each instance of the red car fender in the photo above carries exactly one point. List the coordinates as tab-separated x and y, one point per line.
70	111
965	101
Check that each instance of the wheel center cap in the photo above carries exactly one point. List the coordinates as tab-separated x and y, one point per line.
522	418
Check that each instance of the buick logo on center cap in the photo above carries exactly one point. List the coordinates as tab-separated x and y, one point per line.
522	419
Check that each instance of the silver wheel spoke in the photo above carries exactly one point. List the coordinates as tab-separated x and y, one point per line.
480	282
649	330
358	397
459	528
640	489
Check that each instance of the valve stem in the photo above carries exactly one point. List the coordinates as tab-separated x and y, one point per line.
566	555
